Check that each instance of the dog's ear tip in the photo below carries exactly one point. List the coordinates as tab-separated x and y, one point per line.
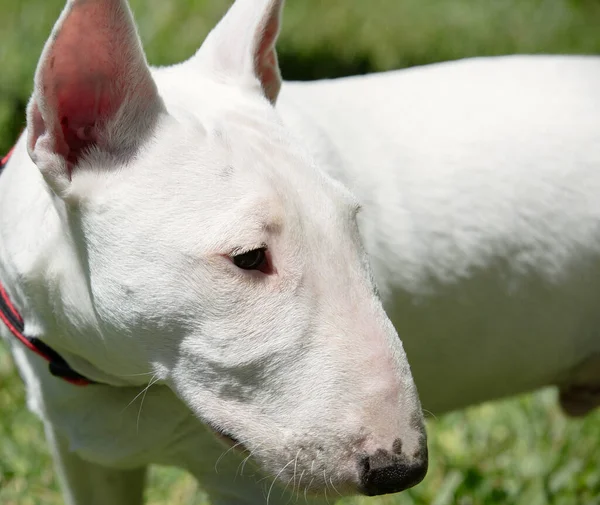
92	77
234	50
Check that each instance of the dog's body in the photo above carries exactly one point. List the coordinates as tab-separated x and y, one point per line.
478	182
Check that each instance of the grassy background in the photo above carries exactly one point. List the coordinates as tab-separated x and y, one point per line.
320	38
521	451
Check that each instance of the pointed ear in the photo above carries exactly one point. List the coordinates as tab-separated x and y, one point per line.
93	90
242	46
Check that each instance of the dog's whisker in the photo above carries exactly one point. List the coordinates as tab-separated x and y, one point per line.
299	484
296	467
333	486
245	443
326	487
275	479
285	489
223	454
247	458
306	488
153	381
425	411
243	465
293	478
136	397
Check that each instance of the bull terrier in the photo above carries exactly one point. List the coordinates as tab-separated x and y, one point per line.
202	271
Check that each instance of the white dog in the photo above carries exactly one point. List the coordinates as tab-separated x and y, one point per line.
170	236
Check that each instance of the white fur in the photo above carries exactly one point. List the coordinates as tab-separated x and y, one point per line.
478	184
123	264
479	181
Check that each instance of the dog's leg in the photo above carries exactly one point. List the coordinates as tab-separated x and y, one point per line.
85	483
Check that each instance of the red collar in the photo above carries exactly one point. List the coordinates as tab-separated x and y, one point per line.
14	322
6	158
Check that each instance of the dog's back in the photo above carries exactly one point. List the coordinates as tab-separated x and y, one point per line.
480	184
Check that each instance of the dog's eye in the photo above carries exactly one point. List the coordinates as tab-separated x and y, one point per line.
251	260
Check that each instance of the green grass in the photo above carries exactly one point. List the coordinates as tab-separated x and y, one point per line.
520	452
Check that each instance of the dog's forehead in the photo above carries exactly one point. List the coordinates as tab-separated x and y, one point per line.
239	125
267	162
242	148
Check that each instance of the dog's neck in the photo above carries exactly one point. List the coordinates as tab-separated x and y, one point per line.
36	282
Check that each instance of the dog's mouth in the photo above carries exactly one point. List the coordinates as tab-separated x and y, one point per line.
226	438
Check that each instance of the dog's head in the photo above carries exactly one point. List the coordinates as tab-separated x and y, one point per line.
214	254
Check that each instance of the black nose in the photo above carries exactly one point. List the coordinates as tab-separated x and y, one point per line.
384	472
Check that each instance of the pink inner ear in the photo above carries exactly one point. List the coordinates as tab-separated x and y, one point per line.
81	109
266	66
91	68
